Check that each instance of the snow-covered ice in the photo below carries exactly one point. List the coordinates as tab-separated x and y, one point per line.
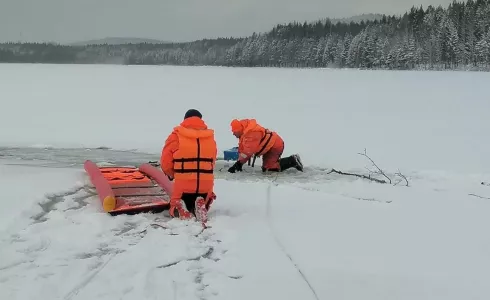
408	120
309	235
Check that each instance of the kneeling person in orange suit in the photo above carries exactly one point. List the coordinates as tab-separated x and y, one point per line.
189	157
257	140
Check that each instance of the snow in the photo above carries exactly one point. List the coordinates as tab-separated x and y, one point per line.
407	120
292	236
23	185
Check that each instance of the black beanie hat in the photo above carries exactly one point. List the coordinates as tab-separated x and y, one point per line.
193	113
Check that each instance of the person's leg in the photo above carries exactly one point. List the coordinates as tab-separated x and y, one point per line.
190	200
198	204
178	208
270	160
206	190
211	196
184	200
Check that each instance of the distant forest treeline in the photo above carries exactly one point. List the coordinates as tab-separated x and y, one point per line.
457	37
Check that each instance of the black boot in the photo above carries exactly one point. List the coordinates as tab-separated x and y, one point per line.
299	164
292	161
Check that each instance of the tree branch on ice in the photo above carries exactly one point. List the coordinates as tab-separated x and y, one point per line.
478	196
378	171
357	175
402	176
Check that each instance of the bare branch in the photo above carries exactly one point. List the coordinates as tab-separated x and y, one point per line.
357	175
481	197
402	176
369	199
380	172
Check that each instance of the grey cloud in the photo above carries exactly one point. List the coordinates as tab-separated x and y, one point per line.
176	20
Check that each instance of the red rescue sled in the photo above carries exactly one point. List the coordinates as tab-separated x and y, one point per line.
130	190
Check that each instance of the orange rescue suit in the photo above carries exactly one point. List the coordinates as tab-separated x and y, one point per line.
189	156
257	140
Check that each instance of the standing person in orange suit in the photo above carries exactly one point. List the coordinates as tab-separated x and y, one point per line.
257	140
189	157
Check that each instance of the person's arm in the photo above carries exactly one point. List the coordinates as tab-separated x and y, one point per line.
249	145
167	158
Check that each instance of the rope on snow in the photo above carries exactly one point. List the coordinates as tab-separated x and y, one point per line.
278	242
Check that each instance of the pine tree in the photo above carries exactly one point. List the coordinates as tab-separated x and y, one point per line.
454	37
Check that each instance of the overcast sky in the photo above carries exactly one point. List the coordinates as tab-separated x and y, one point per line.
172	20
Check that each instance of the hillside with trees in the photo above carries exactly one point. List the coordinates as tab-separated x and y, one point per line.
456	37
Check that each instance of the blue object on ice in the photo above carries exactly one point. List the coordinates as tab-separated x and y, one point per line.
231	154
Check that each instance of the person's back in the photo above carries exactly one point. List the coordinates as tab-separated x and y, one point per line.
259	141
189	157
254	139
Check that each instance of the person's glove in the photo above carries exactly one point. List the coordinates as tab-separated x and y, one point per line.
236	167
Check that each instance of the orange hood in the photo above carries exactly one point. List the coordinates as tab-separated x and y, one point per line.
194	123
239	126
194	127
